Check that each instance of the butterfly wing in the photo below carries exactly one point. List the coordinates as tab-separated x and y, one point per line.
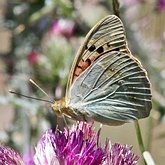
114	90
106	35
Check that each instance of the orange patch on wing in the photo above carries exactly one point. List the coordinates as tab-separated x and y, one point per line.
78	71
82	66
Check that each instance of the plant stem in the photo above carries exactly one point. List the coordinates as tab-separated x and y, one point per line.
115	5
139	137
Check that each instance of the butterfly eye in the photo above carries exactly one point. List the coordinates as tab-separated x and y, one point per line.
100	50
92	48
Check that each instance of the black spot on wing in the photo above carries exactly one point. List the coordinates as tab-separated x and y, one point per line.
100	50
92	48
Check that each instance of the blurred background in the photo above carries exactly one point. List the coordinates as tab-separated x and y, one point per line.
39	39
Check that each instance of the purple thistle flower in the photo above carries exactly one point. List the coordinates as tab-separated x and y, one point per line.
10	157
68	147
76	146
121	155
45	150
80	145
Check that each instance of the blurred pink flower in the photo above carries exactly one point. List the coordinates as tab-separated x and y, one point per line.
33	57
161	5
63	27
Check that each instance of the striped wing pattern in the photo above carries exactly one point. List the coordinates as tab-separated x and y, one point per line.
106	35
114	90
109	36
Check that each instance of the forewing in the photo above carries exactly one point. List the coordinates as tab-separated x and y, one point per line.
114	90
106	35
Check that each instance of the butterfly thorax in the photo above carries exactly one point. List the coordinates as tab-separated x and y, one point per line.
60	108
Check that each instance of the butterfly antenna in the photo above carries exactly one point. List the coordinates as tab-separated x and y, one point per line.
34	83
34	98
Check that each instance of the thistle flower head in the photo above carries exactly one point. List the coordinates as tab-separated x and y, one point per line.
80	145
8	156
121	155
76	146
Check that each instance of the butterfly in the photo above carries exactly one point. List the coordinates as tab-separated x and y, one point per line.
106	82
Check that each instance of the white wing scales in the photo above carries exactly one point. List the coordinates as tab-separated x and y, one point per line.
114	90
